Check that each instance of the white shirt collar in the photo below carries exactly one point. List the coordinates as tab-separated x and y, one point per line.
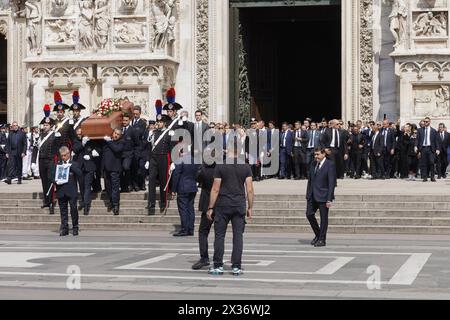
322	162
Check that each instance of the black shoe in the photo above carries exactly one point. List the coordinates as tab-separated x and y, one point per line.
75	232
280	178
86	211
109	208
115	210
433	179
181	234
425	180
314	241
143	189
162	210
80	207
8	181
200	264
45	205
64	233
19	181
51	209
191	233
320	243
37	178
151	211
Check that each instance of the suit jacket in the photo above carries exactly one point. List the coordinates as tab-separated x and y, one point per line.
289	140
2	143
16	144
356	141
80	151
303	138
321	184
112	155
68	189
377	145
205	177
197	138
327	138
390	139
131	142
434	139
184	178
444	142
316	142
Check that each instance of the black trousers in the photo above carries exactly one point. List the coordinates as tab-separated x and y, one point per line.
377	166
356	160
222	216
203	233
126	178
427	160
338	158
97	183
309	158
311	209
112	185
159	168
388	162
86	188
3	166
299	162
15	166
63	207
46	179
185	203
365	158
442	163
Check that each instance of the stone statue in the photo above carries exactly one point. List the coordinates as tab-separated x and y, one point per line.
429	25
86	36
164	23
59	7
64	31
102	23
130	33
397	20
129	4
442	101
34	17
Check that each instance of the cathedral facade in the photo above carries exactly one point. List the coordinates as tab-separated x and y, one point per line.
393	56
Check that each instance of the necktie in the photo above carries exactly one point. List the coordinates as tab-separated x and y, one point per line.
337	137
317	168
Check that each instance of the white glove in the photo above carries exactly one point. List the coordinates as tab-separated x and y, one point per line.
184	118
58	134
171	133
87	158
71	122
172	166
84	140
415	149
180	122
72	154
107	138
33	166
147	165
95	154
59	183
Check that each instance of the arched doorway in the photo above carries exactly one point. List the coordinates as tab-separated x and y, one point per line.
3	79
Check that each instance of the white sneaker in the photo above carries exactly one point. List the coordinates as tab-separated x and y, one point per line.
14	180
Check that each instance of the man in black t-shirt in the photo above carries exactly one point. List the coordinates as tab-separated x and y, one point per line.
227	202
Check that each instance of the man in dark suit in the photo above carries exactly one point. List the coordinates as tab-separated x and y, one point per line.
376	153
3	160
389	136
368	134
320	195
130	140
184	184
137	171
312	144
112	166
442	163
68	193
286	151
356	151
429	146
200	128
300	137
334	140
16	146
86	152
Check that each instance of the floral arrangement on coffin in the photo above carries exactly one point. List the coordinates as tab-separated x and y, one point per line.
107	107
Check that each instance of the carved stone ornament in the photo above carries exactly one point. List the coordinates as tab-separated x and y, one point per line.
244	84
86	25
62	31
34	25
4	28
366	60
202	55
164	18
102	23
431	24
397	21
129	32
129	5
59	7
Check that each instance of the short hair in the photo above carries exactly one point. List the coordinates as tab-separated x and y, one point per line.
320	149
285	123
442	124
372	122
308	119
138	108
118	130
199	111
272	122
427	118
126	115
64	149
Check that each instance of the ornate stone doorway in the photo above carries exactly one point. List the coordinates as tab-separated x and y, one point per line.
3	79
292	56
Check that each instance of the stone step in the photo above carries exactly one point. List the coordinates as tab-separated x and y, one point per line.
264	220
426	205
385	198
343	229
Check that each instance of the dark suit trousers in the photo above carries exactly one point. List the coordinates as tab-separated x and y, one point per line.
185	203
377	166
63	207
159	167
15	167
45	173
222	216
112	185
299	162
338	160
388	160
442	163
125	180
427	163
285	163
356	159
3	163
203	233
88	180
311	209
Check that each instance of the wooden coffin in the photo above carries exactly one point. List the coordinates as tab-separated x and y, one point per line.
96	127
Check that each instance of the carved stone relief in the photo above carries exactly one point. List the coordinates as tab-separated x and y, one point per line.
244	84
58	7
60	32
122	72
67	73
164	17
102	23
431	100
398	21
366	60
139	97
428	4
430	24
4	28
128	6
129	32
202	55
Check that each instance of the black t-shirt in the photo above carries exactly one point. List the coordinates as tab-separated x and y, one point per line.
232	187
